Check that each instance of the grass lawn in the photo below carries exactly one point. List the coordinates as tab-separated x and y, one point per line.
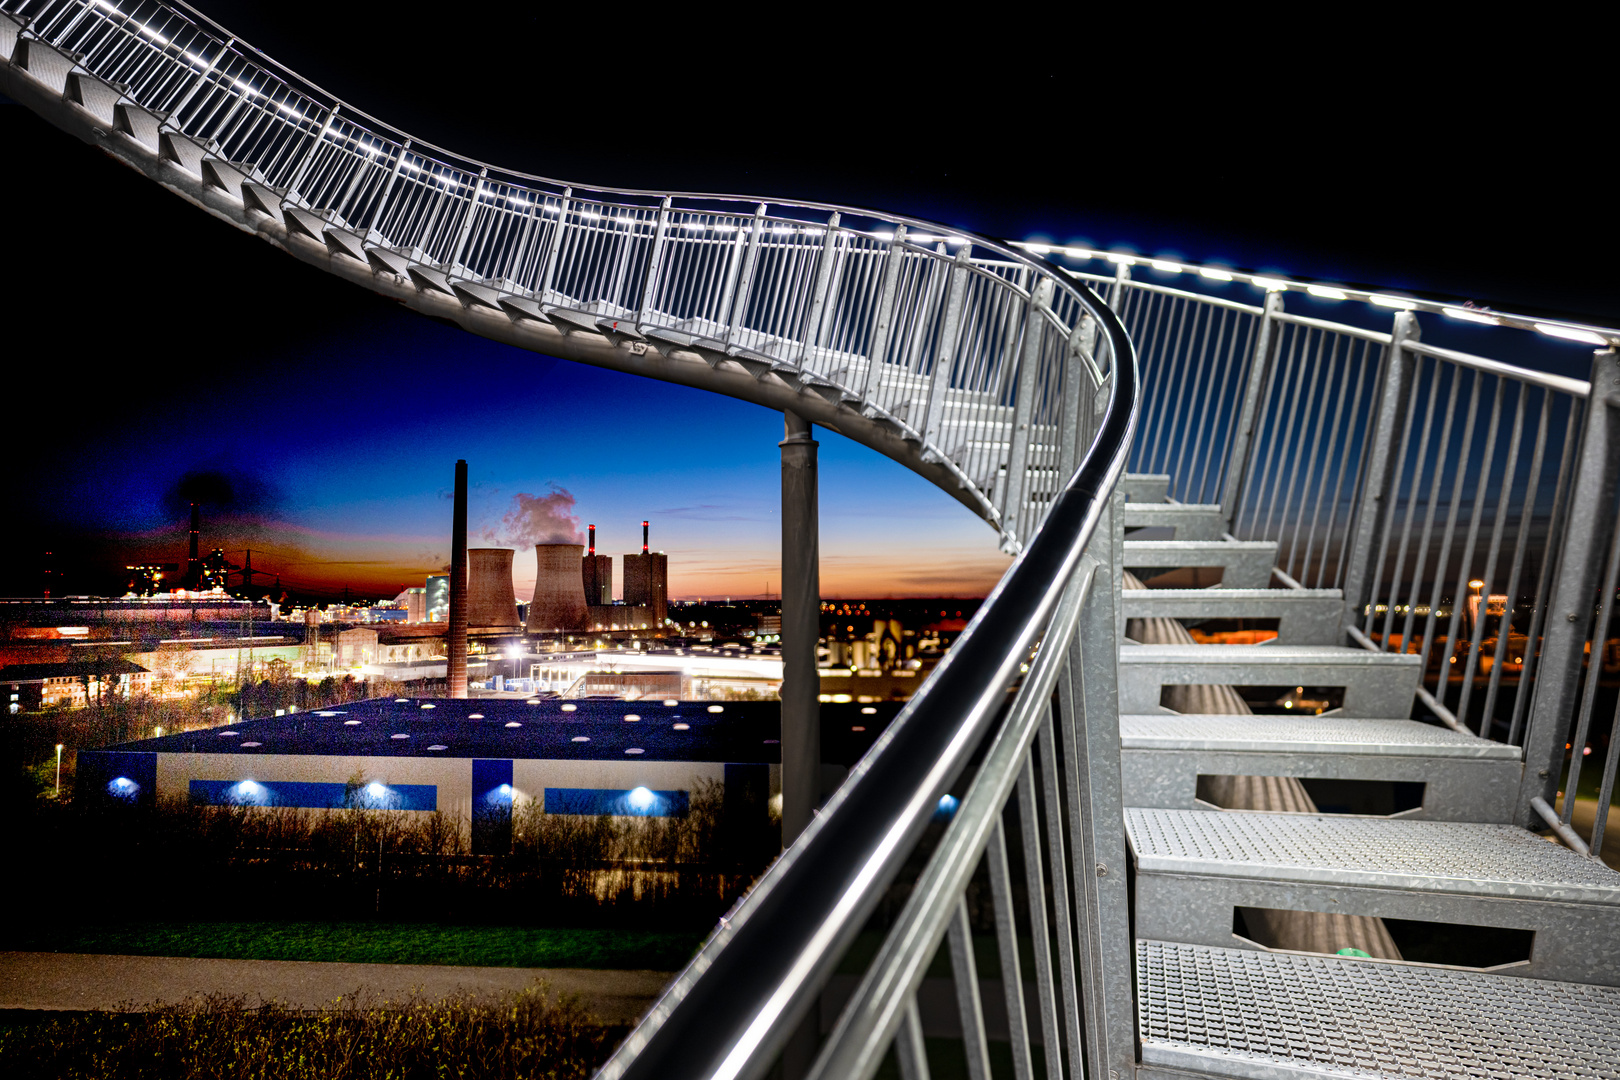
369	943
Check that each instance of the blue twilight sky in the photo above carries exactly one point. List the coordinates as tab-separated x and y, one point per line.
152	342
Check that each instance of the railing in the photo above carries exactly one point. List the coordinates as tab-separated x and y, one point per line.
1438	489
960	345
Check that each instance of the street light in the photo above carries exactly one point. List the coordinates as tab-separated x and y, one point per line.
58	770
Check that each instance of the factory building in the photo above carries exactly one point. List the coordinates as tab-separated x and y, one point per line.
646	580
475	760
597	571
437	600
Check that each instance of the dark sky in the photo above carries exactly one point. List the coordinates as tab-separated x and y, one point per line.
150	342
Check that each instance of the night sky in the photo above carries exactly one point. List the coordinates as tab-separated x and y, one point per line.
148	343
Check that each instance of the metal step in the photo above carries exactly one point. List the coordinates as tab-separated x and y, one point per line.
1193	868
1191	521
1375	684
1270	1016
1247	563
1465	778
1304	616
1145	487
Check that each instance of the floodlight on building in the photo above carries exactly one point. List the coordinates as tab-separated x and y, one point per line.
376	790
642	799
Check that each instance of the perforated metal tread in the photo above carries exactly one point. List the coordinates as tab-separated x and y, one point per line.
1294	734
1434	856
1339	655
1265	1016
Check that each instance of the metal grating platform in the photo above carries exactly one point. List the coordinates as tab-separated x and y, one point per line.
1235	1013
1433	856
1294	734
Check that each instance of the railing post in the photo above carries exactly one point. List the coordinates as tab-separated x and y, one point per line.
309	156
1377	493
1237	455
1012	510
885	309
467	222
388	189
655	263
1569	611
197	84
818	299
549	272
746	281
1116	291
1089	694
945	357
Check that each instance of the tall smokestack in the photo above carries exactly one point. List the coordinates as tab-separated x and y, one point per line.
592	549
457	665
193	562
644	538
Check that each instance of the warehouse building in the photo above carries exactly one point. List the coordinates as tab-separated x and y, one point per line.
478	760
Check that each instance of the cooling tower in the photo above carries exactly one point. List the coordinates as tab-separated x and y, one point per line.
490	600
559	593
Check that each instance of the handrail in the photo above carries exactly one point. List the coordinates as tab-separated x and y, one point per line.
1562	329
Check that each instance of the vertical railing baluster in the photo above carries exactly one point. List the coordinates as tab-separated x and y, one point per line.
1012	980
1046	988
909	1046
965	974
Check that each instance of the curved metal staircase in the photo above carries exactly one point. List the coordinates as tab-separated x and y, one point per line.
1346	486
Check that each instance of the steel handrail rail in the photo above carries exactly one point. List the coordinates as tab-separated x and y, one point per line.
1594	334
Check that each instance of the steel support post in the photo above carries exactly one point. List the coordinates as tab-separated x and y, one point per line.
1378	494
1238	453
1569	612
549	272
1089	695
801	629
456	665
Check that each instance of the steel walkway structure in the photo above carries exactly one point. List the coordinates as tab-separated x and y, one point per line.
1429	535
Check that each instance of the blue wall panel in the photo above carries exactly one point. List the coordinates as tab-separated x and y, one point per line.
593	801
117	776
313	796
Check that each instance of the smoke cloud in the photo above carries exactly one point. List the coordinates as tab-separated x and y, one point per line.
233	491
539	519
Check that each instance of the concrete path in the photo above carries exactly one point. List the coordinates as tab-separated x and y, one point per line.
32	980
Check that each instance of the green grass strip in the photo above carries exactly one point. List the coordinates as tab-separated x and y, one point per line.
371	943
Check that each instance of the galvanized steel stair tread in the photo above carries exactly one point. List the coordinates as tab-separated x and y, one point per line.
1265	1016
1269	653
1310	734
1432	856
